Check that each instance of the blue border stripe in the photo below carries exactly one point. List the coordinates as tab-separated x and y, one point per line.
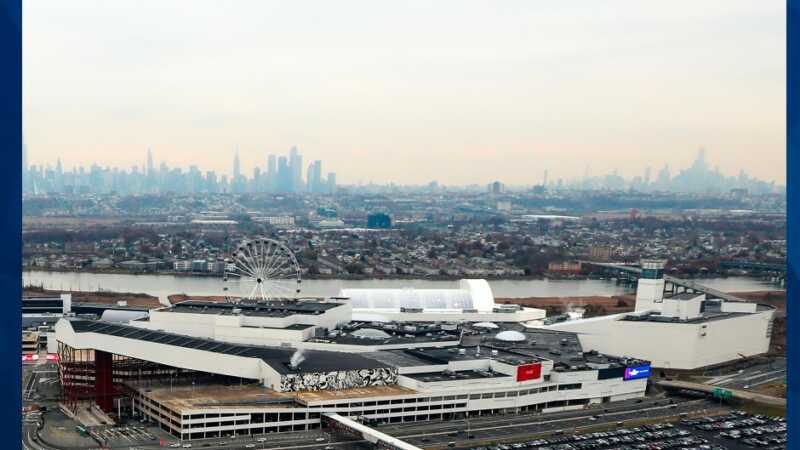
11	221
793	207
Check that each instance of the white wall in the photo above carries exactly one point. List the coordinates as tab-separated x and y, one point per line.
218	363
675	345
649	294
243	329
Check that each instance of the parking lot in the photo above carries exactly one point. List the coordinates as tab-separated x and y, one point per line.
737	430
124	435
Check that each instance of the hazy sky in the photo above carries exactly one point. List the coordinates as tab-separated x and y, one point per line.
409	91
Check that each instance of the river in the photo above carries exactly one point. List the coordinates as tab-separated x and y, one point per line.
163	285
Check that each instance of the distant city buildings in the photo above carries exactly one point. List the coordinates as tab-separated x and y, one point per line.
379	220
286	174
496	188
280	175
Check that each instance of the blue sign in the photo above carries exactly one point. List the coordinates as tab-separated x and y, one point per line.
634	373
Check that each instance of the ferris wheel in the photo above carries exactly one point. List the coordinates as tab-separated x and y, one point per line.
263	269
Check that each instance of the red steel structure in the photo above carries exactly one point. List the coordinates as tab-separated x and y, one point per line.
101	377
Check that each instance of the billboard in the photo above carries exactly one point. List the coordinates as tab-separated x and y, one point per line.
634	373
529	371
610	373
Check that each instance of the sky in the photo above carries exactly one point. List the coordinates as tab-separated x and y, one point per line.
457	91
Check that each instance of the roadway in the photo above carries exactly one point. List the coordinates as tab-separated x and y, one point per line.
737	393
751	377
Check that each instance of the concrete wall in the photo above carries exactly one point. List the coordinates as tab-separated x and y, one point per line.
675	345
649	294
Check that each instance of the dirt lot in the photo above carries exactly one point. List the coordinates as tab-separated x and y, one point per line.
593	305
98	297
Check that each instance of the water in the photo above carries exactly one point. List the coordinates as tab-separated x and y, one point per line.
163	285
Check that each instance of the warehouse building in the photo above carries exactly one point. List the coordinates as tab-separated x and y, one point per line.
700	332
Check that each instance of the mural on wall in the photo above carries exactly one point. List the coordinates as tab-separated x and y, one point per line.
318	381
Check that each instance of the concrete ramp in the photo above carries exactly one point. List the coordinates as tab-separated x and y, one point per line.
732	393
379	439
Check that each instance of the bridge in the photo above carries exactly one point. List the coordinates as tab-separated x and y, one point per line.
721	392
378	439
673	284
754	266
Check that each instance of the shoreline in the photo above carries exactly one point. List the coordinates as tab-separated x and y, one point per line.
357	277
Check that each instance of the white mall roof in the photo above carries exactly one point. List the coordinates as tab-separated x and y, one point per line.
470	294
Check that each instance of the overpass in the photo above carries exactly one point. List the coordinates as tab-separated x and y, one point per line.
723	392
754	266
673	284
378	439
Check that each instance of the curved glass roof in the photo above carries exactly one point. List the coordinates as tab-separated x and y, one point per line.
430	299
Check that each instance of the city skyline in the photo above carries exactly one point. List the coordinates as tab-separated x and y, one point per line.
536	87
284	174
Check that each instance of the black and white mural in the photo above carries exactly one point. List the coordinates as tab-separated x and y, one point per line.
319	381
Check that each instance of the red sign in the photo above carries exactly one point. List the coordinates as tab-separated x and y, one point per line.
527	372
30	357
52	356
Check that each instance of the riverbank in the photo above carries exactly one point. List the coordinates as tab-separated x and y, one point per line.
306	276
366	277
103	298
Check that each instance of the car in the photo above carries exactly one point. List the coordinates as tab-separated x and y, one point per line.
261	440
319	439
174	445
186	446
250	446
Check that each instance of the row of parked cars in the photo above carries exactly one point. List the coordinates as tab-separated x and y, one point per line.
750	430
651	437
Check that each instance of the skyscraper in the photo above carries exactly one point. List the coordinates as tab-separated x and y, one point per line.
150	167
236	182
237	170
296	170
272	174
331	182
284	176
314	177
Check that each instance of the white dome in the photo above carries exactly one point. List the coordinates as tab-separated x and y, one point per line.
371	333
510	336
485	325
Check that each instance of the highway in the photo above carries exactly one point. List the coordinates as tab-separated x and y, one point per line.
751	377
737	393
